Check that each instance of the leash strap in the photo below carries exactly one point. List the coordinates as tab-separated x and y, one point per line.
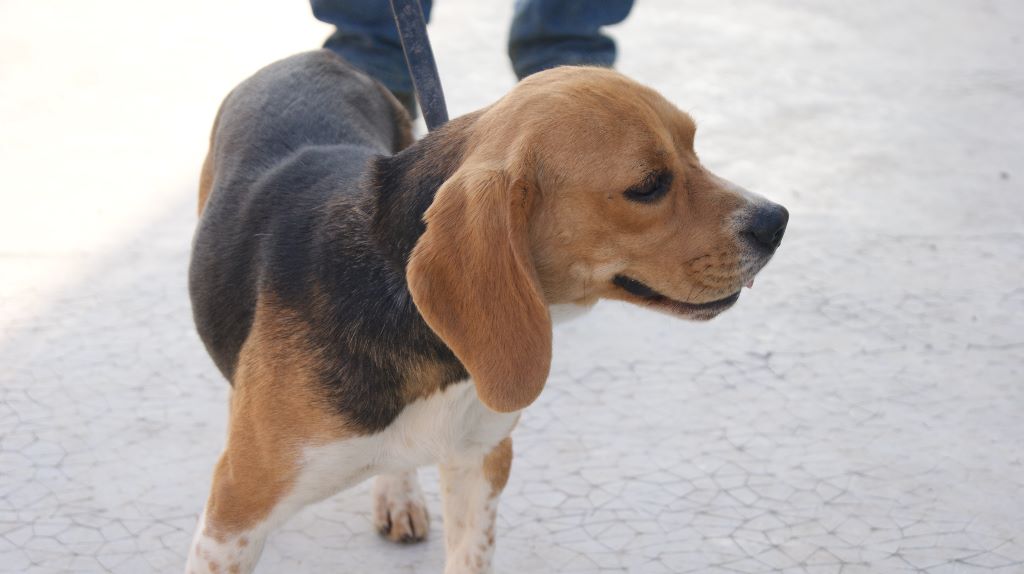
412	29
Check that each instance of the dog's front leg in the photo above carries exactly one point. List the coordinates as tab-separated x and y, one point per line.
470	487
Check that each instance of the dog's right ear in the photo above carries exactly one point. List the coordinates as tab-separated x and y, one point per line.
472	278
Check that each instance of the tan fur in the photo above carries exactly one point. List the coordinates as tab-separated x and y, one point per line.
422	379
586	231
535	215
498	465
275	410
476	287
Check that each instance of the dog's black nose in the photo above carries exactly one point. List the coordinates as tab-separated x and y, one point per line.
767	226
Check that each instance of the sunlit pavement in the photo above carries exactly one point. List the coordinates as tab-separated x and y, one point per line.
860	410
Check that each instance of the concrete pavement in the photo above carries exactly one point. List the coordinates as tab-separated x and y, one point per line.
860	410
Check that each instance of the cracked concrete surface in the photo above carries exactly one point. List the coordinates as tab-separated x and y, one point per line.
860	410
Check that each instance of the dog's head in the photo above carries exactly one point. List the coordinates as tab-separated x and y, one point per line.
580	184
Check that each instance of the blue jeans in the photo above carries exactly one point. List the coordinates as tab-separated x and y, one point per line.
544	34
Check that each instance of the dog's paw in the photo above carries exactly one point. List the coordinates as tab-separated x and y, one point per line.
399	510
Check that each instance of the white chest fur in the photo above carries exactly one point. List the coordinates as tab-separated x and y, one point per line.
437	428
447	424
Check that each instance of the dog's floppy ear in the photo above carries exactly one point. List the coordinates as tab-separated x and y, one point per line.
472	277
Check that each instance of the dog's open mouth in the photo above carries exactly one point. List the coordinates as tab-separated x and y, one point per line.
696	310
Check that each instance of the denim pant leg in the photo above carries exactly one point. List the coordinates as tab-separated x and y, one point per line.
367	38
549	33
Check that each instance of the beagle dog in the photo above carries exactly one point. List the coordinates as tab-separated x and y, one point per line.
379	305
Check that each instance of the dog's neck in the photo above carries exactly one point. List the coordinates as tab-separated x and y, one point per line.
364	242
404	185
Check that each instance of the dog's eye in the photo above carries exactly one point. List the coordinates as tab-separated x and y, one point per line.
651	189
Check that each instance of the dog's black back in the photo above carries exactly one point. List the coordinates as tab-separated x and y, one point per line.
295	209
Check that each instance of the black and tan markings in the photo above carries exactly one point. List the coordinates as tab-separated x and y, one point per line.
339	273
326	240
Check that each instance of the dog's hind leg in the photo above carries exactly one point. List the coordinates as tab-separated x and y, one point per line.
470	487
267	473
399	509
252	485
283	452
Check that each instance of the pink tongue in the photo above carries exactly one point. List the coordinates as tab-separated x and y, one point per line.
750	284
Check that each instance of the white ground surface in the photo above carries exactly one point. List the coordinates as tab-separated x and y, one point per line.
859	411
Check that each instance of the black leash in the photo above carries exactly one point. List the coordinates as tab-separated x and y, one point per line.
412	29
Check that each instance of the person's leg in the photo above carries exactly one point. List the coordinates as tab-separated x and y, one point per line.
365	35
549	33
